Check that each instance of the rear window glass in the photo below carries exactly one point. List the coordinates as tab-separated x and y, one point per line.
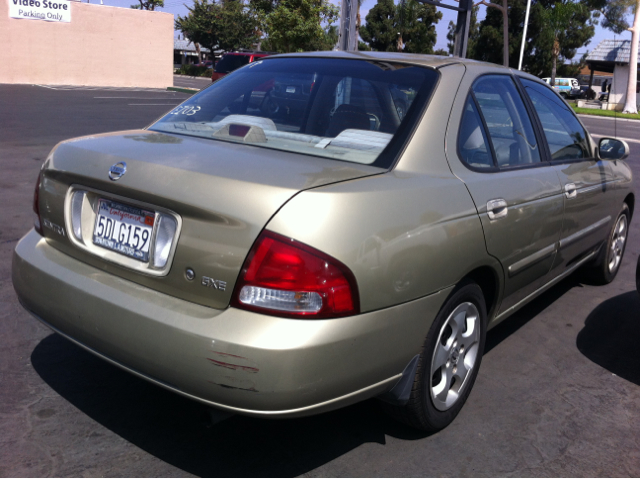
351	110
228	63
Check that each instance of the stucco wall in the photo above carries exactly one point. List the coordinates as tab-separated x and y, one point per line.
618	93
101	46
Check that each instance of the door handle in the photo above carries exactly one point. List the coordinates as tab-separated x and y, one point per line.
570	190
497	209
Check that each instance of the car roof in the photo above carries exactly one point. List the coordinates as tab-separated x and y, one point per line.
434	61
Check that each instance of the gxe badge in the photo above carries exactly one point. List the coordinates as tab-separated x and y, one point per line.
117	171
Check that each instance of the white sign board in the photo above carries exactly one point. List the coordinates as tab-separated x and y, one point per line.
48	10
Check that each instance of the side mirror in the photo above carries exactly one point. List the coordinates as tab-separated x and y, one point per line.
611	149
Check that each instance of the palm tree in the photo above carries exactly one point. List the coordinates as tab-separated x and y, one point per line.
558	19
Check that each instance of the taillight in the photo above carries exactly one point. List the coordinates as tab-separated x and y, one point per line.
36	206
283	277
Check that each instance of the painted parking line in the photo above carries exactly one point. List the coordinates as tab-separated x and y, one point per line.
99	88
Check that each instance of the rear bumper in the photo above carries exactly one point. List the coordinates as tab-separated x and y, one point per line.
230	359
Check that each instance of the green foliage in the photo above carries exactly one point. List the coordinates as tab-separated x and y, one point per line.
538	57
418	26
609	113
380	31
612	13
363	47
442	52
296	25
195	71
148	4
409	26
226	24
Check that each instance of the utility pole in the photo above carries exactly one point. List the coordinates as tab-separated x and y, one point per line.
462	25
348	41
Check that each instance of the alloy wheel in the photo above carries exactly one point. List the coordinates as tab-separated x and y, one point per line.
455	355
617	243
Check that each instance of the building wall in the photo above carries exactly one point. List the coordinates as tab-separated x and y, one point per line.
618	93
101	46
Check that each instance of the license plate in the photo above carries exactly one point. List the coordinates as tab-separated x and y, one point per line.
291	89
124	229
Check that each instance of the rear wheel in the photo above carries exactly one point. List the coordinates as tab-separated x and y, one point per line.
448	363
608	263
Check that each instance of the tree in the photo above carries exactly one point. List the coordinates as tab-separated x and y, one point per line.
441	52
612	11
557	19
380	31
148	4
538	58
417	26
297	25
408	26
226	25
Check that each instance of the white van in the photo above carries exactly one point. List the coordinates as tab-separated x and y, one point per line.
564	85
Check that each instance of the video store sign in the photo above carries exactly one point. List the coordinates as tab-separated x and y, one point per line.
48	10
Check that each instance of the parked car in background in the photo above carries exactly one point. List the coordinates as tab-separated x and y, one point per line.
234	60
207	64
285	266
564	86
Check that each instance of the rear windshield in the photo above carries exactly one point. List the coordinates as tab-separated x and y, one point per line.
228	63
351	110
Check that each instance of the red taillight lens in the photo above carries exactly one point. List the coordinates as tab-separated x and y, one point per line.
286	278
37	224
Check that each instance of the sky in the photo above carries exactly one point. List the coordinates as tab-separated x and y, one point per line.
177	7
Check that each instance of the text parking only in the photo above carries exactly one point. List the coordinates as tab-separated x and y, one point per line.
48	10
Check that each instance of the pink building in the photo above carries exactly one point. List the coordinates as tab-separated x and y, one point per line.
61	42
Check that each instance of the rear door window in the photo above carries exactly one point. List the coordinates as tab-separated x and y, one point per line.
509	126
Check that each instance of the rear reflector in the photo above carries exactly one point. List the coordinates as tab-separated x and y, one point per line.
166	230
286	278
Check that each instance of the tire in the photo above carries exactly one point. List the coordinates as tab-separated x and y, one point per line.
435	401
607	265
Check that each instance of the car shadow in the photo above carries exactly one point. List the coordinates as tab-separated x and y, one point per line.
610	336
514	322
180	432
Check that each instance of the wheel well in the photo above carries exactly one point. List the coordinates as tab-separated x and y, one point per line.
630	200
487	279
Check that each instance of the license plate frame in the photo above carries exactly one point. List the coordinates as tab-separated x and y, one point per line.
123	227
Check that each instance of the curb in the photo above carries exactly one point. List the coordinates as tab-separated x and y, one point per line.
612	118
191	91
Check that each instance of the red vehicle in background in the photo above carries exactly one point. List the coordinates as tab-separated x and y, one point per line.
233	61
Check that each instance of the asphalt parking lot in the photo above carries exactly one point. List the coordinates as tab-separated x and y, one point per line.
558	393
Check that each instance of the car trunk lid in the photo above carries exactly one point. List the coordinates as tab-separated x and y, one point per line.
223	194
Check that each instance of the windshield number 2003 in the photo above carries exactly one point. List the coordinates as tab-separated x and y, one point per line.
186	110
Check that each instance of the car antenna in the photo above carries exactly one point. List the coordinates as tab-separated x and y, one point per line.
615	112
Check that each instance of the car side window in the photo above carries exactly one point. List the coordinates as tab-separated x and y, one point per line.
565	135
510	130
473	146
